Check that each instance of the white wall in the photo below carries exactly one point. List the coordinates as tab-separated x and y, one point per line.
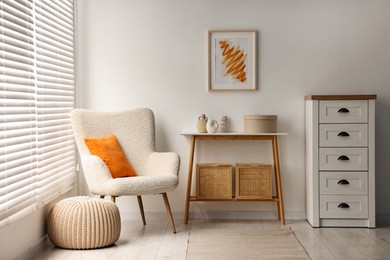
151	53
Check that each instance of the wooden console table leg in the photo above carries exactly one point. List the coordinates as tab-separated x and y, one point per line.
278	181
189	180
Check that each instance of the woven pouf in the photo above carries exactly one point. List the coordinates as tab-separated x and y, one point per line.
84	223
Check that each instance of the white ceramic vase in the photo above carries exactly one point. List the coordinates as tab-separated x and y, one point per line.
212	126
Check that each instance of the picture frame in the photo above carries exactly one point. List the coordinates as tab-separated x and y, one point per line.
232	60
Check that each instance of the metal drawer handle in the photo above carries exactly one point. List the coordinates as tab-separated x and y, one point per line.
343	182
343	158
343	110
343	205
343	134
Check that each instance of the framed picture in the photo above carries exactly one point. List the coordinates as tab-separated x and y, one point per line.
232	60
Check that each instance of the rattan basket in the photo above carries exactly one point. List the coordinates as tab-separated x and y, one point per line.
253	181
214	181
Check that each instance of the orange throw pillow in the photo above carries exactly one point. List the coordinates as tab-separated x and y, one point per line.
110	151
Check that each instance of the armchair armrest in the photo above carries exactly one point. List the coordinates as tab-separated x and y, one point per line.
163	164
96	173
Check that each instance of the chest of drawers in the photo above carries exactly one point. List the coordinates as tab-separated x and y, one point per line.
340	160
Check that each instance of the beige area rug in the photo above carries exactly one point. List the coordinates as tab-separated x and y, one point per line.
248	244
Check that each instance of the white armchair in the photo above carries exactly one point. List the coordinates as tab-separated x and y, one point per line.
157	173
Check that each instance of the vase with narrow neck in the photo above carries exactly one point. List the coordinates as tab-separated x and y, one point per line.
201	124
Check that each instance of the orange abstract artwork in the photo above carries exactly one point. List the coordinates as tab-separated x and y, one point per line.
233	60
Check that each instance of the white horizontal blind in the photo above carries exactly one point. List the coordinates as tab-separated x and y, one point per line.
37	152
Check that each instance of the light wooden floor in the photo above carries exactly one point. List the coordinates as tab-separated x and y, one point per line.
156	241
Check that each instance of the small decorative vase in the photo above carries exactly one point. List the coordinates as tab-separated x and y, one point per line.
222	124
201	124
212	126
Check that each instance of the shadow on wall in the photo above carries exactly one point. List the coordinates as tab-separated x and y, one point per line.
382	153
162	138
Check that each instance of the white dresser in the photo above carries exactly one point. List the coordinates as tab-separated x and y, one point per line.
340	160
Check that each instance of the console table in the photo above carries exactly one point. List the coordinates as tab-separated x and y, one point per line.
273	137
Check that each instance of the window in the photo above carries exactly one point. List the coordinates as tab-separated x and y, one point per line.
37	92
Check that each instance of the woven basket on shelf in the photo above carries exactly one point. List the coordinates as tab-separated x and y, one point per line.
214	181
253	181
84	223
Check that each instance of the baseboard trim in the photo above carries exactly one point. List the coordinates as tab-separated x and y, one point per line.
221	214
211	214
32	252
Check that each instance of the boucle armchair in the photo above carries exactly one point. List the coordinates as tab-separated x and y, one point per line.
157	173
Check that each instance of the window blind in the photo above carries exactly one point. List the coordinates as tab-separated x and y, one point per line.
37	93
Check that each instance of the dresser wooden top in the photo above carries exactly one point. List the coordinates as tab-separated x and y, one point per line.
339	97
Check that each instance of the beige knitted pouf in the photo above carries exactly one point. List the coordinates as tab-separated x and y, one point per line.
84	223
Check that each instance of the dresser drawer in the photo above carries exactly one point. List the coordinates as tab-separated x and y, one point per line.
344	183
347	206
335	159
345	111
339	135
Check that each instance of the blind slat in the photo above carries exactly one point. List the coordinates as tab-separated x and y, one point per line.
47	27
37	93
64	57
16	39
66	5
56	146
16	47
16	9
17	177
52	85
44	15
20	162
10	103
24	23
14	172
10	149
55	100
55	73
64	10
18	187
16	126
47	62
55	66
54	39
54	165
18	59
16	80
15	141
54	47
15	118
42	78
14	200
17	132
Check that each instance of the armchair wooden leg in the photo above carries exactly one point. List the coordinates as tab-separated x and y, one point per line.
141	208
168	208
113	198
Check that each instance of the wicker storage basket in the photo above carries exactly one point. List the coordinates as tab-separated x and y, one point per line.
253	181
214	181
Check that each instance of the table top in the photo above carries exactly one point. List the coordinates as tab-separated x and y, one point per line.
230	134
